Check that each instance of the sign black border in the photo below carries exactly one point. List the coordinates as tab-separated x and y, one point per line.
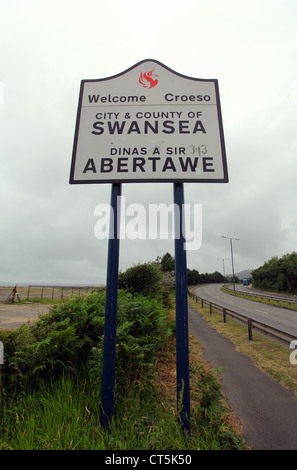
154	180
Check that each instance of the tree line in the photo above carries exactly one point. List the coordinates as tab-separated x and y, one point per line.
154	278
277	274
167	263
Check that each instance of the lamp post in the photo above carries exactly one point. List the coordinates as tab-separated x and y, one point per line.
231	257
223	259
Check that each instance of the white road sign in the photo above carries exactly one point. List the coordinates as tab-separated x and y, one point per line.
149	124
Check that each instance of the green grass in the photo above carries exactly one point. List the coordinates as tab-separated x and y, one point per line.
63	415
51	417
39	300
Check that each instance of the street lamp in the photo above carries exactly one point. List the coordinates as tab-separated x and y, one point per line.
231	257
223	259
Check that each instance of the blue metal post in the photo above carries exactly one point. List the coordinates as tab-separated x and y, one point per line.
182	338
109	347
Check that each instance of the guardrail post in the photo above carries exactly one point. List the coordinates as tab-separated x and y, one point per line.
263	328
249	320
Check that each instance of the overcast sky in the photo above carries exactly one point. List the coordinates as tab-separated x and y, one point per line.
48	47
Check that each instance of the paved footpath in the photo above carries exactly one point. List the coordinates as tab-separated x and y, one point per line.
268	411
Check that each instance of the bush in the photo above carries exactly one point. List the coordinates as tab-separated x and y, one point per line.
70	336
145	279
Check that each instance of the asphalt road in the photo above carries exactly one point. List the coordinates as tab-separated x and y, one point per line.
251	290
277	317
268	411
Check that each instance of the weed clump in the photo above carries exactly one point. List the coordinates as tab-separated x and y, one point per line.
51	382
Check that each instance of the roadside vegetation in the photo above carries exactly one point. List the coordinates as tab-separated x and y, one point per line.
51	378
277	274
270	357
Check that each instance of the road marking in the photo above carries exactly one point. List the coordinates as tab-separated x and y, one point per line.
261	311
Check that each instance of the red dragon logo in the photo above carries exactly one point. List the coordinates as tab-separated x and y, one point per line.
147	79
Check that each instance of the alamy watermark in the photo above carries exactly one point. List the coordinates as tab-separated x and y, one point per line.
156	221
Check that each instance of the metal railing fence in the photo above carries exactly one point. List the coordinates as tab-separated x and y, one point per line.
250	323
276	297
27	293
